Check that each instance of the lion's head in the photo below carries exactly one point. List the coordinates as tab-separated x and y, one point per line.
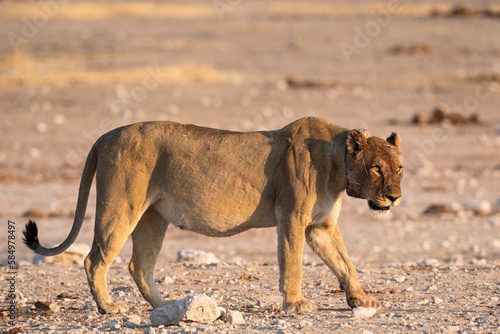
374	169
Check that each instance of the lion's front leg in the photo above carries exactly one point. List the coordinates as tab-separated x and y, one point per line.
291	237
326	242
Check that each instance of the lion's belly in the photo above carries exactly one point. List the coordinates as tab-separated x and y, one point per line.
210	221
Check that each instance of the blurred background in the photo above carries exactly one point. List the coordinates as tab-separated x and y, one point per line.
430	70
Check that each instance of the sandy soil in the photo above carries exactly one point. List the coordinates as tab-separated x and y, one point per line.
72	71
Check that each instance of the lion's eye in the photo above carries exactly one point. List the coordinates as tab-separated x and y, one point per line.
377	169
400	169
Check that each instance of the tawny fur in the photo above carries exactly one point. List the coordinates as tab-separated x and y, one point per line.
219	183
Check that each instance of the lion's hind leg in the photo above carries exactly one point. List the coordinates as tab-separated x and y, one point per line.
97	265
115	221
148	238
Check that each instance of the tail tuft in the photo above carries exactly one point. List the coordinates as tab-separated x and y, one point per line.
31	235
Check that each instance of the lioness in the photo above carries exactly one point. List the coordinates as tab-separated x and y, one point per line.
219	183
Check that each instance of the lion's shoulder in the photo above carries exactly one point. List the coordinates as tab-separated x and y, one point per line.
312	128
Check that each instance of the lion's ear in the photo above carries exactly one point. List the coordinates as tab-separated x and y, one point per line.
356	143
394	139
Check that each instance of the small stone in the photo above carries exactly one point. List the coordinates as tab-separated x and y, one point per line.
400	279
366	331
423	302
167	280
430	288
437	300
408	289
54	307
480	207
234	317
363	312
197	256
131	320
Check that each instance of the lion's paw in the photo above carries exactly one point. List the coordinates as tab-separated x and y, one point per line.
301	307
113	308
363	302
371	302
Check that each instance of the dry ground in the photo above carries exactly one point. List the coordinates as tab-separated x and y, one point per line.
74	70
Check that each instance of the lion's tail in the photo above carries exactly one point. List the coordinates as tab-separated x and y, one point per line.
31	230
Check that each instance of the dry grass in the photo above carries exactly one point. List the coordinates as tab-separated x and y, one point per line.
97	11
331	9
19	69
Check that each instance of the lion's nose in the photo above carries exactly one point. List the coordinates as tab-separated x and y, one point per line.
393	198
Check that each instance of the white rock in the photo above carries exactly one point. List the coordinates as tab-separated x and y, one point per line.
132	320
423	302
400	279
54	307
167	280
480	207
437	300
234	317
197	256
363	312
197	308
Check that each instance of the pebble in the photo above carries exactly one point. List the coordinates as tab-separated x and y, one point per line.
131	321
166	280
363	312
55	307
480	207
437	300
234	317
400	279
197	256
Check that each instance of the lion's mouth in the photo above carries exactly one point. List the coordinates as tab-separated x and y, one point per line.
375	207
